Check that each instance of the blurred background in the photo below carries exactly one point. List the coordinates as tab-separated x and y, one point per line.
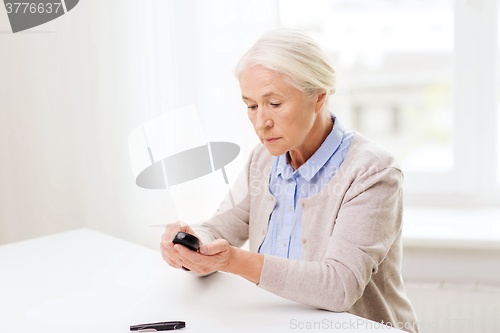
420	77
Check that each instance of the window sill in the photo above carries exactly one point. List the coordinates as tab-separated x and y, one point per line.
452	228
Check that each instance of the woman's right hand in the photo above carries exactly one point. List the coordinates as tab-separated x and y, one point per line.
168	252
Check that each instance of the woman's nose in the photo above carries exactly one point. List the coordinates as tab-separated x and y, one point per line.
263	120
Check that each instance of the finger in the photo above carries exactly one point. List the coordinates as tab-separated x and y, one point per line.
197	262
187	254
186	228
174	255
167	248
169	260
186	263
167	255
170	230
217	246
172	263
176	227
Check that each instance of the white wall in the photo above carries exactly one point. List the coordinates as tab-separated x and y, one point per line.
40	185
69	99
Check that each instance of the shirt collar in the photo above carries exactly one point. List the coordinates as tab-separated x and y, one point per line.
309	169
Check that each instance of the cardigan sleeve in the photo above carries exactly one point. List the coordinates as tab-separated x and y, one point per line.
228	222
367	224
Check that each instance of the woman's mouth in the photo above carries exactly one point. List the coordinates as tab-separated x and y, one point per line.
270	140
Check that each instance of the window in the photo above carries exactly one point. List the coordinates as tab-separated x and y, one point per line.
417	77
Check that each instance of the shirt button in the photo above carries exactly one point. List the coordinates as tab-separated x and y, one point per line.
303	240
302	204
284	244
289	208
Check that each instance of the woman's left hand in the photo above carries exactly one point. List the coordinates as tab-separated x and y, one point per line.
214	256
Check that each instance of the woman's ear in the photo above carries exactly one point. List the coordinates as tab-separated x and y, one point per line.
320	100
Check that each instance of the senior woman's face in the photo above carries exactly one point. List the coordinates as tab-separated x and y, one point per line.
282	115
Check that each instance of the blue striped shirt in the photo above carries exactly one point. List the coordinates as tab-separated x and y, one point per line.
284	233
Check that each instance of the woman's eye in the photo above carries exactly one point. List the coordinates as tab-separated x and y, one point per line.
252	107
275	105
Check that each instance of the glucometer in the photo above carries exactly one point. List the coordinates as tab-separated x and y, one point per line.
188	240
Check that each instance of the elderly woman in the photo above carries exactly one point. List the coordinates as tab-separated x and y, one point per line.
323	210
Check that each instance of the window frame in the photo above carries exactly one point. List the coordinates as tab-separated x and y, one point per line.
473	180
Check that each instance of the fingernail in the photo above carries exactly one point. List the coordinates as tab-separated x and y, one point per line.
203	249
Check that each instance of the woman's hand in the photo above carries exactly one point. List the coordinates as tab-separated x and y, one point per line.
168	251
218	255
214	256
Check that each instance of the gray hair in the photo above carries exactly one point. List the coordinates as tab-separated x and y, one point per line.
293	53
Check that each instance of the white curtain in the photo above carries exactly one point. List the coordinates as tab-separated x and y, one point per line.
70	96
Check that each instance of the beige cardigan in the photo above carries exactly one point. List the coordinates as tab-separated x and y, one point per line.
351	245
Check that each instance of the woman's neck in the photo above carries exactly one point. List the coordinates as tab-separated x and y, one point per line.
316	136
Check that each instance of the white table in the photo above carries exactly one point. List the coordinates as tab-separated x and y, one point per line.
85	281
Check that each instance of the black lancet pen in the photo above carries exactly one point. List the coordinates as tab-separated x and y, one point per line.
164	326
